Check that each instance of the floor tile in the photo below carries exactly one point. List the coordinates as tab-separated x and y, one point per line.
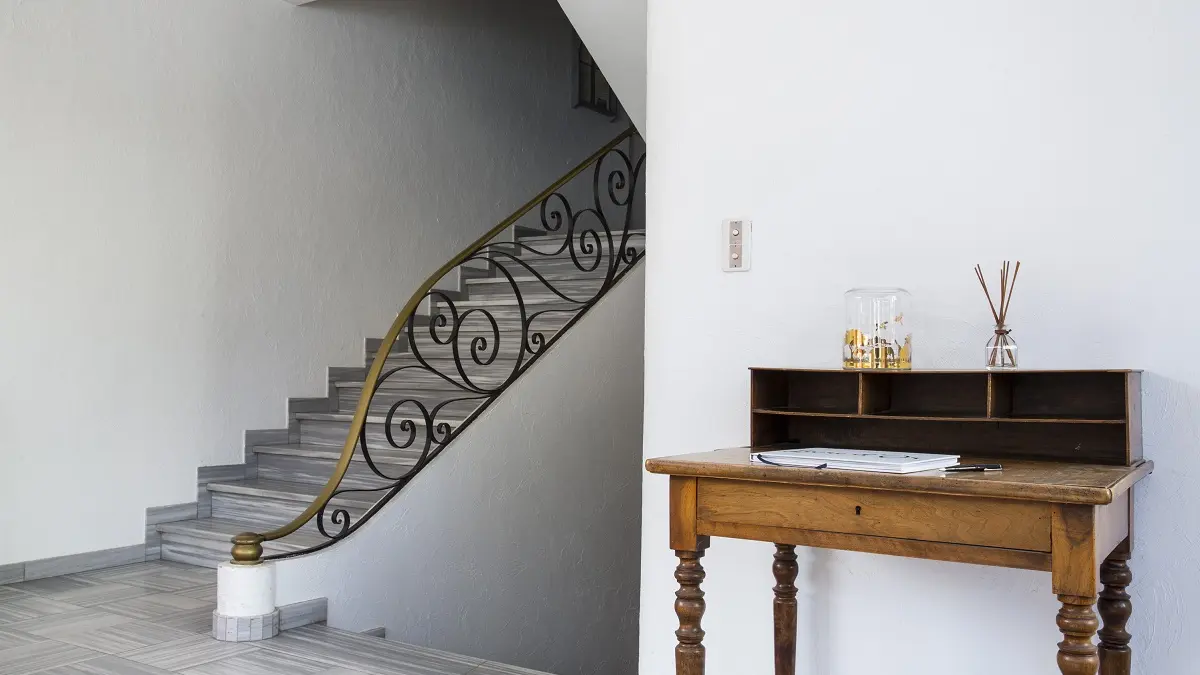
31	607
341	670
188	652
159	576
122	638
208	593
40	656
82	592
156	606
106	665
193	621
9	592
13	638
368	654
261	662
65	623
51	586
492	668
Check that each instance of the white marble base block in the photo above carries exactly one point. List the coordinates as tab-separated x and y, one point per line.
245	628
245	603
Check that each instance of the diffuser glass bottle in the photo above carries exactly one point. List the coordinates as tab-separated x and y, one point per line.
1000	353
1001	350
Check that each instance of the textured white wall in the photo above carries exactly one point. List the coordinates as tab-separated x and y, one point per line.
615	33
520	543
878	142
204	204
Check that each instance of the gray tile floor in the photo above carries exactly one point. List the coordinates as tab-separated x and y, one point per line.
155	618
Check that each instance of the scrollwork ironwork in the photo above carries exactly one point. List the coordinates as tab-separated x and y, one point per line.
469	350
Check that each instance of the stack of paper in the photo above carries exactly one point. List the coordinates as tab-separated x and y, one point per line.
855	460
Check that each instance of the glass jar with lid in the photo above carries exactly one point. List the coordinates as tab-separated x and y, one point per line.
877	329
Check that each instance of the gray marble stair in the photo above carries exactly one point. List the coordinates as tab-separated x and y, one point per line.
314	464
331	428
287	468
205	541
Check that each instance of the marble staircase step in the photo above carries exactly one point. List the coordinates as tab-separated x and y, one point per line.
206	542
271	503
533	288
555	242
331	428
455	403
314	464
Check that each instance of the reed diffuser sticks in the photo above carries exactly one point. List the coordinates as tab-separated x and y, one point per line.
1001	348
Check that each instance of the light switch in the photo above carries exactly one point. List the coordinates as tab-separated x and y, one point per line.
735	245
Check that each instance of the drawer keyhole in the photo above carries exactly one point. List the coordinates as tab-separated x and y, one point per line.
858	510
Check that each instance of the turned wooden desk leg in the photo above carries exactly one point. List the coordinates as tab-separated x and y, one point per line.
1115	608
1077	654
689	605
785	569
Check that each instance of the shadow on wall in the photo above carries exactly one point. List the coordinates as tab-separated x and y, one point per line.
223	198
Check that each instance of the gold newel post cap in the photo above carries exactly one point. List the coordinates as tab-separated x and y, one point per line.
247	548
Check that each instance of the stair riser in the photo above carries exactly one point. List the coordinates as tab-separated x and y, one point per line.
508	316
319	432
510	337
562	265
266	512
508	346
577	289
383	400
195	551
419	379
202	551
558	248
315	471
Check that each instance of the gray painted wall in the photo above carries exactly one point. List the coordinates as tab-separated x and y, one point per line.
204	204
520	543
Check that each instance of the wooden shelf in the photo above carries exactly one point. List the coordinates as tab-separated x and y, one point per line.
1067	415
934	418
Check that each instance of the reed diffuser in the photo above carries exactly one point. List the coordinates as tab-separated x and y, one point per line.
1001	350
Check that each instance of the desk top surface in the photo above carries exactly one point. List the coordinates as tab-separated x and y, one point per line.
1058	482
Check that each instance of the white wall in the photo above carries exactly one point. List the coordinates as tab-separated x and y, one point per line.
204	204
520	543
615	34
878	142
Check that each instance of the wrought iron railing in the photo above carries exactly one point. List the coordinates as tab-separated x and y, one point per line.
434	374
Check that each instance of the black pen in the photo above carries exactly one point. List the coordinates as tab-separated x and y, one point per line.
974	467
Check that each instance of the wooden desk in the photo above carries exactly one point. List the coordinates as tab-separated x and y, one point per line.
1070	518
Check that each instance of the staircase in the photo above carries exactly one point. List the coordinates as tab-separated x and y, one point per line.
484	320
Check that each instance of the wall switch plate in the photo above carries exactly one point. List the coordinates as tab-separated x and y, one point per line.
735	245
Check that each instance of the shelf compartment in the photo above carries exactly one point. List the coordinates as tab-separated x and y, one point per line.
925	395
1051	441
1088	396
806	391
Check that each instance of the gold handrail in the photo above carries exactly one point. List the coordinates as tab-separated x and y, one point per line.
247	546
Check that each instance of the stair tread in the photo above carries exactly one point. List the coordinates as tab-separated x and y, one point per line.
371	419
278	489
399	387
521	278
383	455
222	529
559	236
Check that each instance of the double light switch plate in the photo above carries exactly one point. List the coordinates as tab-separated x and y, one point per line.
735	245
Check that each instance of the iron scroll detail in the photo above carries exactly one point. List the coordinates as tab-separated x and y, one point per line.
447	362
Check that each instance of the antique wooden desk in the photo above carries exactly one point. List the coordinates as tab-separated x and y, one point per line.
1070	443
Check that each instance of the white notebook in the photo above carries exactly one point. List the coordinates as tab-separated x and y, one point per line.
855	460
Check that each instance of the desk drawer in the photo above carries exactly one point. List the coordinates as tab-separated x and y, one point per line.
975	521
